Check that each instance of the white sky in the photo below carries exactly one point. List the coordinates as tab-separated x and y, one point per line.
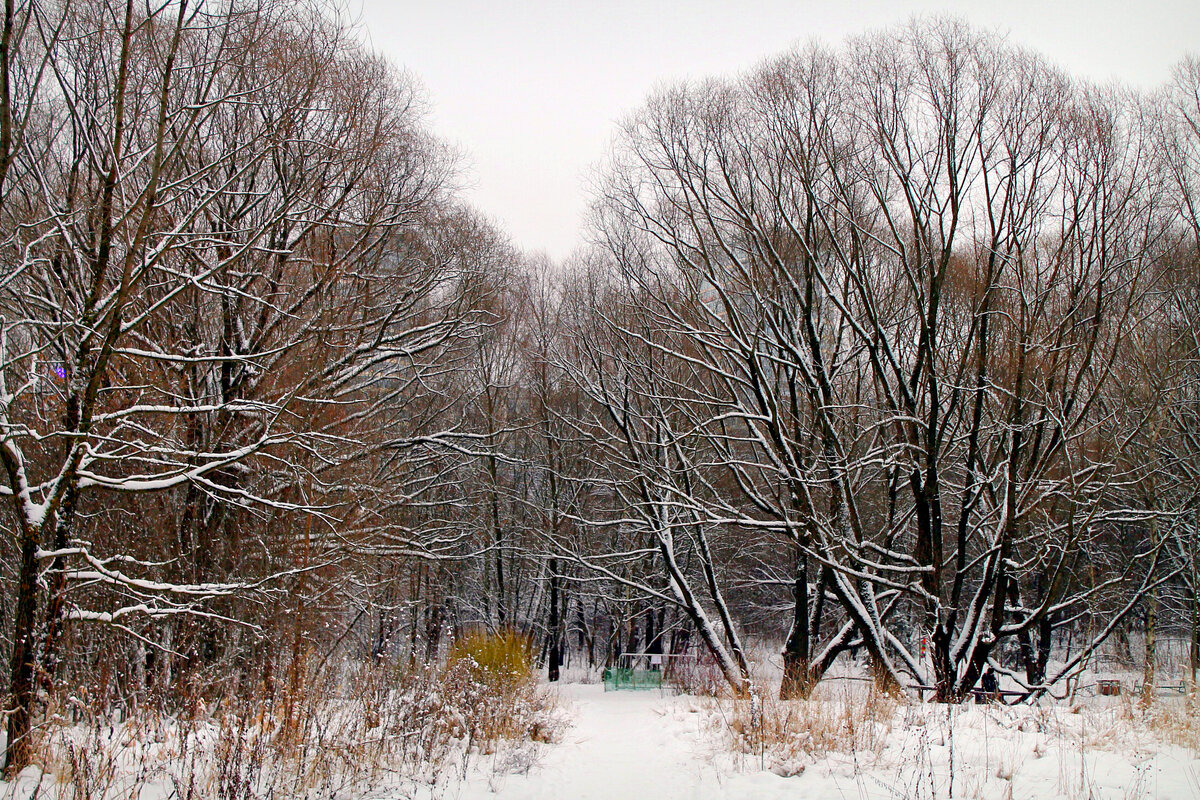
532	90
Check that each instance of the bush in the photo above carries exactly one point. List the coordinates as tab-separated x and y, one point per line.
500	661
491	676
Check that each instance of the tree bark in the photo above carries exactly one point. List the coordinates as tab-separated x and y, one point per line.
1148	675
797	682
24	657
552	671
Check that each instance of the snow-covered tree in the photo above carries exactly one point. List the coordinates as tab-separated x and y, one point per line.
229	259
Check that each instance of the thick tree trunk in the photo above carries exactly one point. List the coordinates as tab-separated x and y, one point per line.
24	657
56	602
654	630
797	680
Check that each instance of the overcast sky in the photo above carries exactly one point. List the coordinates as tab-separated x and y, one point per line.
531	91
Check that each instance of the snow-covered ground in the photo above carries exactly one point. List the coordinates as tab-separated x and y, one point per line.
848	743
627	744
662	746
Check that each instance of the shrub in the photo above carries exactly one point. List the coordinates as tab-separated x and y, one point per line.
491	678
499	661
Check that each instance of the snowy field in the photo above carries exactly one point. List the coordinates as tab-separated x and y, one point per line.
668	747
847	742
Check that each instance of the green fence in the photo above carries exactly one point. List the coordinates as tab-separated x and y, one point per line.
626	678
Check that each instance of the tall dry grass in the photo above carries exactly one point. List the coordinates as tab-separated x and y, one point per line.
369	727
884	746
785	735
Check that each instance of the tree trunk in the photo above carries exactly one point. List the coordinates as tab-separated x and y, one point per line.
497	542
552	672
1193	660
797	682
24	658
1151	647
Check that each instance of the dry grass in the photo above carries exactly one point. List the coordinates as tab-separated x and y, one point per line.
700	677
369	728
1176	722
889	748
785	735
1127	724
492	675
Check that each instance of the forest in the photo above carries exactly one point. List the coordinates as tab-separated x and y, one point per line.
883	352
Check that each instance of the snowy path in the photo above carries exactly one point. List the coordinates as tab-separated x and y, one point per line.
622	745
634	745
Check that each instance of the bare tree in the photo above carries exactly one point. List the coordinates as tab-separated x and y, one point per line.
1172	345
228	256
647	535
909	269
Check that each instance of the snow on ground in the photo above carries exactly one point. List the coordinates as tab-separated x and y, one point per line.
630	745
848	743
655	745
